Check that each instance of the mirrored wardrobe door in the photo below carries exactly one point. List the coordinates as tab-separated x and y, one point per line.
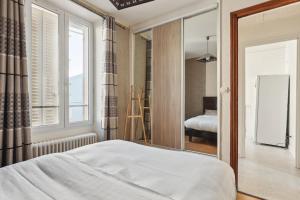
201	116
139	115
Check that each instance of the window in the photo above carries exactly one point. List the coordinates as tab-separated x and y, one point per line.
61	56
78	73
45	79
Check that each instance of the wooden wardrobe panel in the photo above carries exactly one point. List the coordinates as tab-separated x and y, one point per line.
167	85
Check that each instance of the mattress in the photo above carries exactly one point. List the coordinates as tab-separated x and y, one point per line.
118	170
207	123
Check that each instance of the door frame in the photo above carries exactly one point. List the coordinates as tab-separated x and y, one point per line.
234	17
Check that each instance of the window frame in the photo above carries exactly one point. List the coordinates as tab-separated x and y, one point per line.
60	15
70	18
64	19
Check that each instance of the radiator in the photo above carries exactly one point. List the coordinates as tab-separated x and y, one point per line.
62	145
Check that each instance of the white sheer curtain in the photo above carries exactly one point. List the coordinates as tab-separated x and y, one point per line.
98	77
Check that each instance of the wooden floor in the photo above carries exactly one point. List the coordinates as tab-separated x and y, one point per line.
200	145
241	196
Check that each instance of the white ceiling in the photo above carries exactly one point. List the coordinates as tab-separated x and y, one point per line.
270	46
196	28
143	12
267	16
75	9
195	31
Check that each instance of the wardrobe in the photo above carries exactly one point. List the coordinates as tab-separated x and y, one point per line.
166	83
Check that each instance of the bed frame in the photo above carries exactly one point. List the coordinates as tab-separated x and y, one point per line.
209	103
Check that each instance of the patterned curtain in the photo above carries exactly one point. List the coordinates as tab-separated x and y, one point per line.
15	131
109	122
147	114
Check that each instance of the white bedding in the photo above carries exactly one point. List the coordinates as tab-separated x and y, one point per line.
203	123
118	170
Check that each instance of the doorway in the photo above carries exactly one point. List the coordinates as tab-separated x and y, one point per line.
240	112
267	165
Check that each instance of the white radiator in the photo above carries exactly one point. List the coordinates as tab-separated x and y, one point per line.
63	144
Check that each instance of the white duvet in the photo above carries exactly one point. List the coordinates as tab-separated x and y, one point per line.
203	123
118	170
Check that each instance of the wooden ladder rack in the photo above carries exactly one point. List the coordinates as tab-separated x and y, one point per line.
130	115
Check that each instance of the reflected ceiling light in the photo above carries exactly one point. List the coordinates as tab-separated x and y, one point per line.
122	4
208	57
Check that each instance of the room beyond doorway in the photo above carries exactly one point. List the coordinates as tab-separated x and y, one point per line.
268	110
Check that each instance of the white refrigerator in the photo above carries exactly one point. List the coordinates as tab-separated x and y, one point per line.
272	108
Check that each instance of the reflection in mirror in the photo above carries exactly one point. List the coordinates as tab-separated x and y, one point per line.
201	118
142	86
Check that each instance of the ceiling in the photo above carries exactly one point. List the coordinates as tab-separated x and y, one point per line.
75	9
272	15
196	29
143	12
270	46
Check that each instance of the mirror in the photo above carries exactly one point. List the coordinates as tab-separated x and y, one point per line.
142	84
201	116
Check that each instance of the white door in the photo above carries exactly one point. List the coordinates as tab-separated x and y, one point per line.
272	109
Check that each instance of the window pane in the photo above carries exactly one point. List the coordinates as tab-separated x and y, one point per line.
45	79
78	73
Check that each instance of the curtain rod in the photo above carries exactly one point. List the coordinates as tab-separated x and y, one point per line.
98	12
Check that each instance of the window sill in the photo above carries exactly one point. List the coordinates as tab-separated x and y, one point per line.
49	133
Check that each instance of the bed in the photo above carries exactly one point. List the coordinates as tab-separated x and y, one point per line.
118	170
205	125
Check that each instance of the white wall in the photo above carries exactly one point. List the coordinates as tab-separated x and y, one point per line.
211	88
292	58
228	6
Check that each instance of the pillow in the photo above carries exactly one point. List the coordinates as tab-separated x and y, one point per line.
211	112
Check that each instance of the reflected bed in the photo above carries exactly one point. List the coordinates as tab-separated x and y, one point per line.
204	125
